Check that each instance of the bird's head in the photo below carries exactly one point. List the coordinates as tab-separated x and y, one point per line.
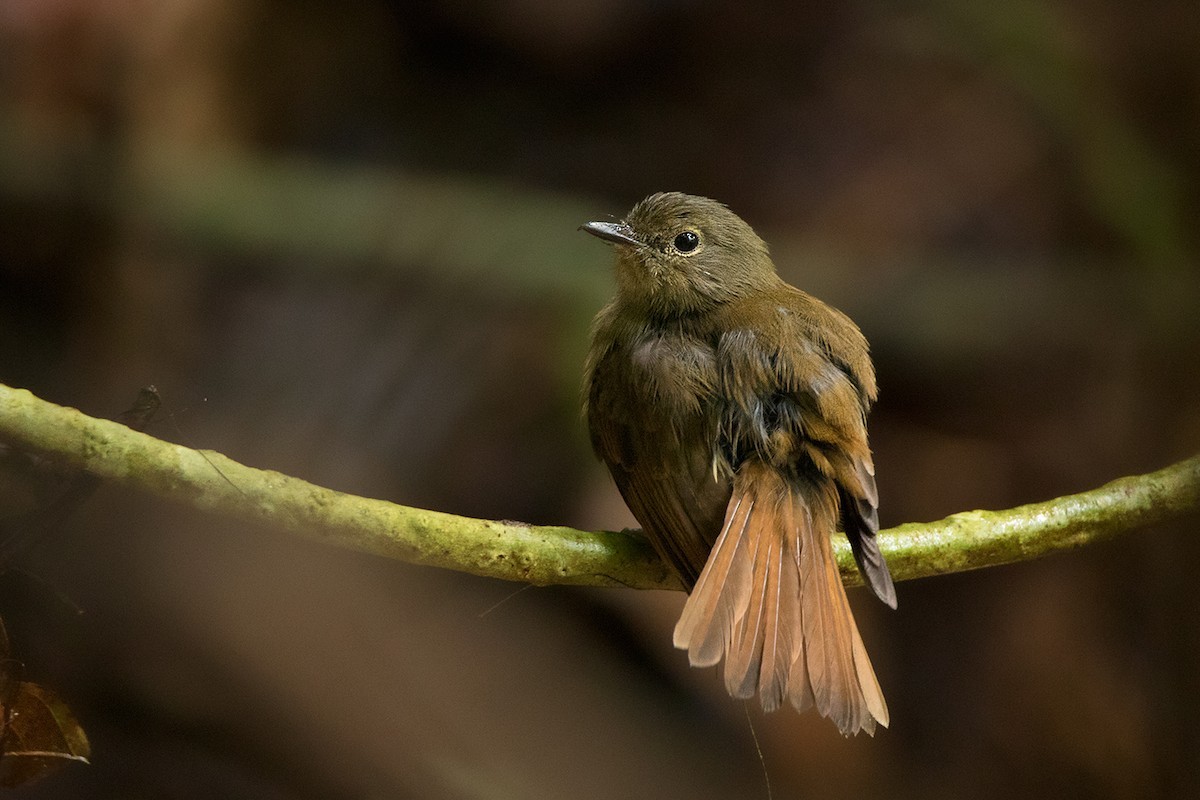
679	254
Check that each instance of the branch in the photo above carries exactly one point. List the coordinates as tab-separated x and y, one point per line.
544	555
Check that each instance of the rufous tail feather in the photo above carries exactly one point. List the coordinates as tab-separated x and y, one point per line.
771	601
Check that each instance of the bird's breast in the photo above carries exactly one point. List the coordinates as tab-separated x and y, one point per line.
676	373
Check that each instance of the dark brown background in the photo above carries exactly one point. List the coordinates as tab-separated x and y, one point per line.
340	239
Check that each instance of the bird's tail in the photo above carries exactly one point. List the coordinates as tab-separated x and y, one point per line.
770	601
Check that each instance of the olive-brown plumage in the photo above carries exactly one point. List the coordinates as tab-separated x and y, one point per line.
731	411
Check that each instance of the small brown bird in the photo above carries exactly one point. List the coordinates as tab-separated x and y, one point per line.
731	411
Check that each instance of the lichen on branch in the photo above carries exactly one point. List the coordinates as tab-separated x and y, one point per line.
543	555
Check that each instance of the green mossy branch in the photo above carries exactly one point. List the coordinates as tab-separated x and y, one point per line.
546	555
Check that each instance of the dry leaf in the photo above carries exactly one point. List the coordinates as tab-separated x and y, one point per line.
38	733
40	736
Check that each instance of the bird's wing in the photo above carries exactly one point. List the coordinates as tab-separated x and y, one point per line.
800	387
661	463
770	600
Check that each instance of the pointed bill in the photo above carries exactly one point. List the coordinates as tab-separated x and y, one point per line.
615	232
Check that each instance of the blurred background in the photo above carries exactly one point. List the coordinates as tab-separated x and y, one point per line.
341	240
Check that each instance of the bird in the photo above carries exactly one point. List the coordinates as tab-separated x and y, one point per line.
730	409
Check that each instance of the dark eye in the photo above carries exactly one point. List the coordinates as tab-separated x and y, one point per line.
687	241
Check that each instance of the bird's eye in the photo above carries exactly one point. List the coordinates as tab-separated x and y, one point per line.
687	241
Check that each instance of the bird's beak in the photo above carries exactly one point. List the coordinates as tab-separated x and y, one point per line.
615	232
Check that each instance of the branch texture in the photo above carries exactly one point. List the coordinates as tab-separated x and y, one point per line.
546	555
